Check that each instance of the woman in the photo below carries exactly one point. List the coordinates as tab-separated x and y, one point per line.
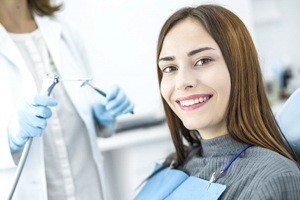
213	95
65	163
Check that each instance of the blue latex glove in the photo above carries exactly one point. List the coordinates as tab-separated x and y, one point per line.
116	103
29	121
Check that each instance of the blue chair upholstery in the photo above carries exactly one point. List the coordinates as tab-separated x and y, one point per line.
289	121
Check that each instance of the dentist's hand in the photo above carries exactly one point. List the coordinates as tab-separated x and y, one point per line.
29	121
116	103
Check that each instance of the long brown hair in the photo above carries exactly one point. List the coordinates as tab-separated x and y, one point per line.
249	116
43	7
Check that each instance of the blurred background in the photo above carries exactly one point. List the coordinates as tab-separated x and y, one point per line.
121	36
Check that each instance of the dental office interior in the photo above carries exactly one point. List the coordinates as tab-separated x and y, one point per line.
121	36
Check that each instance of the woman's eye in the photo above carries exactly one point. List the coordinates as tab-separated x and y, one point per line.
168	69
203	61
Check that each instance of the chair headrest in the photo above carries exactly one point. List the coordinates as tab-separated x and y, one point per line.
288	120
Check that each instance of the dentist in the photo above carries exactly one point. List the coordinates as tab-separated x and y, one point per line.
64	161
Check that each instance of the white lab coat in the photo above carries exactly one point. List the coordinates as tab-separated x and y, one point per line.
16	83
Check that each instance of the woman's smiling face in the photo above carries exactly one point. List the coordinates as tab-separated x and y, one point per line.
195	79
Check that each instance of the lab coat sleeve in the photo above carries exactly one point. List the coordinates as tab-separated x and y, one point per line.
6	158
107	131
6	103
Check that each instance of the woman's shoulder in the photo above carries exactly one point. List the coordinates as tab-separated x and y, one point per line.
272	175
266	159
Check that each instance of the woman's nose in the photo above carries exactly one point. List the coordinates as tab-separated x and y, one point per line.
186	79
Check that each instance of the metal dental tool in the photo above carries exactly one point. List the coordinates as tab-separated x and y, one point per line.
49	83
27	146
79	79
87	82
55	80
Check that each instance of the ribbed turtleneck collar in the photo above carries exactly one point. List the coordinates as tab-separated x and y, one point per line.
223	145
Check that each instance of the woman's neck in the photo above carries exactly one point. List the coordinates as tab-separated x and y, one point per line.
214	131
16	17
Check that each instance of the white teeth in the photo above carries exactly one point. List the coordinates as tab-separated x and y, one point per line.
193	101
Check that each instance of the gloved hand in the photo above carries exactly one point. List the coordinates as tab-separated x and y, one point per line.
116	103
29	121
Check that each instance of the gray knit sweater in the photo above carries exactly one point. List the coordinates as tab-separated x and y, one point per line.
258	174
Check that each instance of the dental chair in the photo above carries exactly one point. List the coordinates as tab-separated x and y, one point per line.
289	121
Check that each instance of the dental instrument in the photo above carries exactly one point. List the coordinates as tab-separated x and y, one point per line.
49	82
29	142
87	82
79	79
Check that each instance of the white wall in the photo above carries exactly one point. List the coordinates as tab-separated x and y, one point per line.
277	26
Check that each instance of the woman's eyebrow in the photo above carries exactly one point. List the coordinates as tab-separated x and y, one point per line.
171	58
199	50
168	58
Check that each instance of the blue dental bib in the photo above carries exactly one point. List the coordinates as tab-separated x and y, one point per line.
173	184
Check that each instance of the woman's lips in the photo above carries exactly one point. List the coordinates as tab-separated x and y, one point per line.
193	102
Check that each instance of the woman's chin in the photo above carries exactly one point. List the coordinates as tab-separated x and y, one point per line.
191	126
